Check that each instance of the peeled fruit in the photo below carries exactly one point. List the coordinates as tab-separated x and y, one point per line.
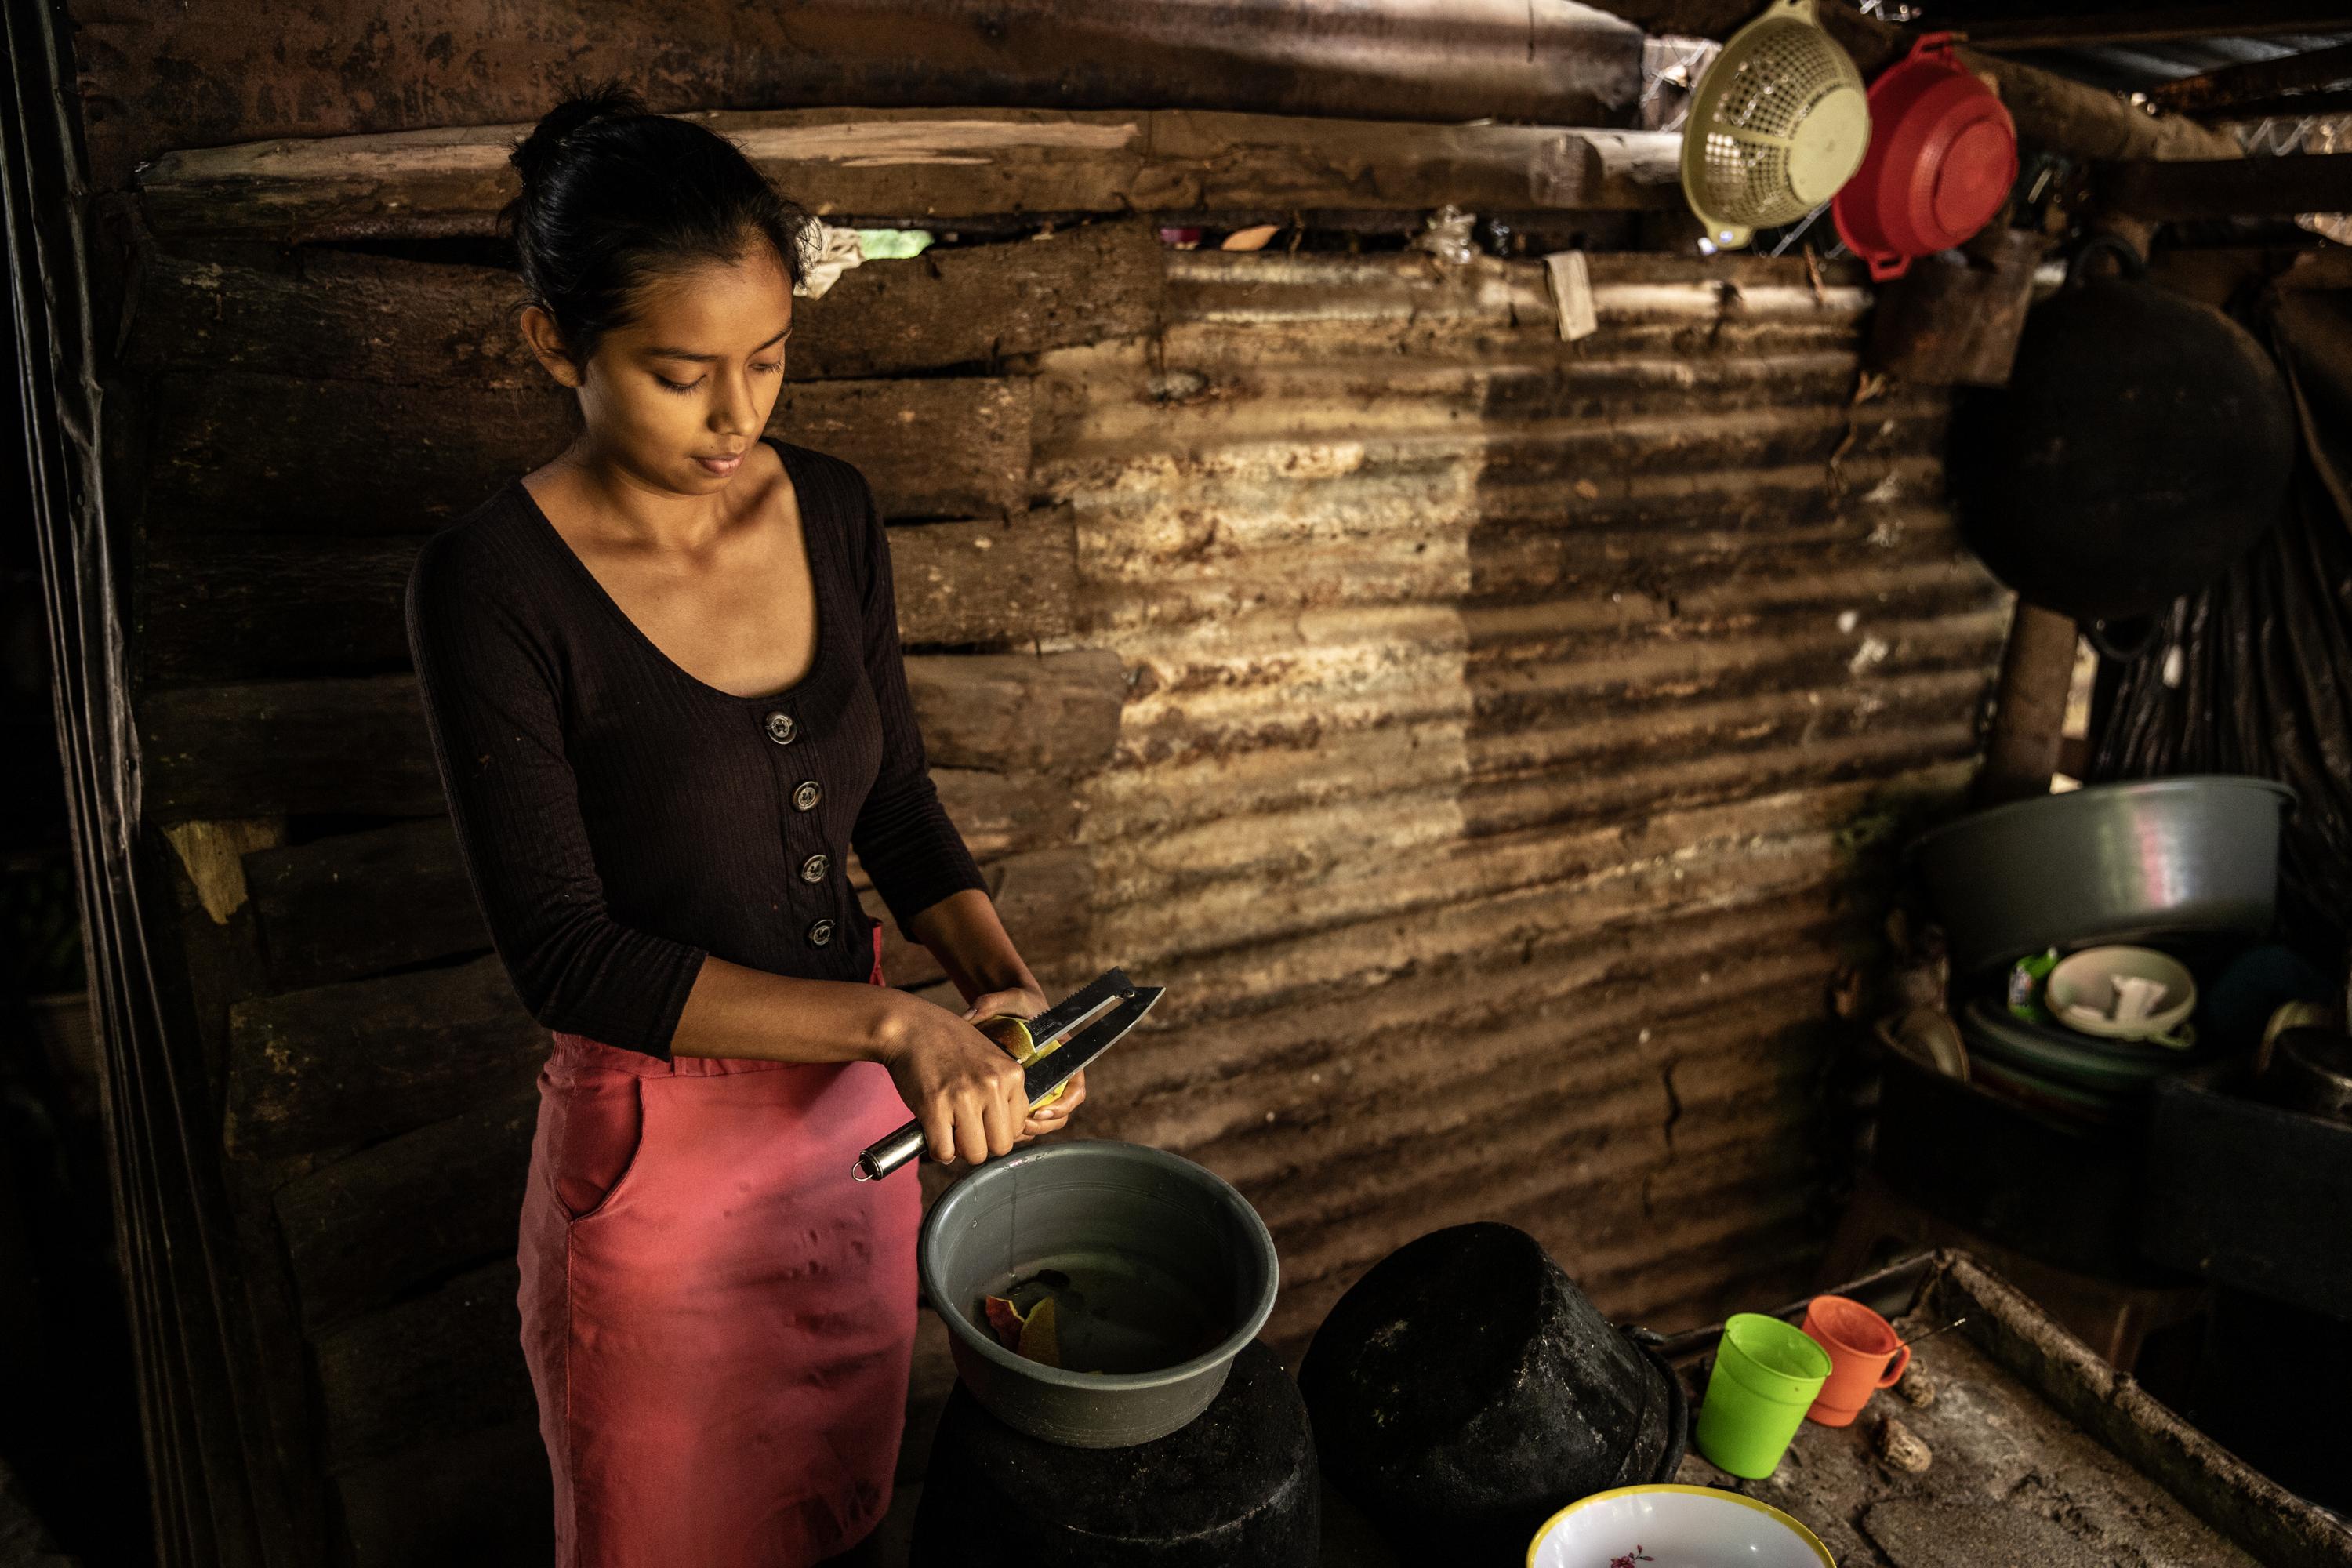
1033	1337
1039	1341
1004	1320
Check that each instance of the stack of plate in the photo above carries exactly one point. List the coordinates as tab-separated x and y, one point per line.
2061	1070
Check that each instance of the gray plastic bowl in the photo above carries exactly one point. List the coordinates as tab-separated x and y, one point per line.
2179	857
1170	1242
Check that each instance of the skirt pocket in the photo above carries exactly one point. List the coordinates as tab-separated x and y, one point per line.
596	1129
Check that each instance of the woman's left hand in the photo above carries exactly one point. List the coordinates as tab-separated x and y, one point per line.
1028	1005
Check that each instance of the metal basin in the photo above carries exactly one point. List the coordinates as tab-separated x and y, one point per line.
2180	857
1159	1270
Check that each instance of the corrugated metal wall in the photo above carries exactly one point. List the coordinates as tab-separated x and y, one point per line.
1510	730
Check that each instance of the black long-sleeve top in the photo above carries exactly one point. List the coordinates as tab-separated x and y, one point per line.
621	819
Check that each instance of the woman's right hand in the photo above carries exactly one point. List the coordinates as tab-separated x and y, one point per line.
970	1096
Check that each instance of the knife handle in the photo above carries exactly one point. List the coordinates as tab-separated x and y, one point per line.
887	1154
904	1146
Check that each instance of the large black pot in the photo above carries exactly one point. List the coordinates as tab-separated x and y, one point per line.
2143	442
1465	1390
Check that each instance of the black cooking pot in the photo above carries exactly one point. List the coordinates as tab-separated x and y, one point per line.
2144	441
1465	1390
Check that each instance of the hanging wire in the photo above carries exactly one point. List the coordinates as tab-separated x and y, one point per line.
1797	233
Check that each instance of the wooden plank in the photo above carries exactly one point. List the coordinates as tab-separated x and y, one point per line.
193	76
1004	815
286	748
1012	581
2324	100
983	303
954	447
249	607
1019	712
1258	162
2227	187
339	315
236	450
913	165
1045	901
2156	24
429	1370
2030	707
349	1064
240	606
315	747
334	315
484	1497
319	907
398	1216
1955	320
2231	86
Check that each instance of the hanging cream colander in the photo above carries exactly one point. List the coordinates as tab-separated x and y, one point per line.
1776	125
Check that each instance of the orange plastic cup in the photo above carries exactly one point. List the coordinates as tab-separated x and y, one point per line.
1865	1355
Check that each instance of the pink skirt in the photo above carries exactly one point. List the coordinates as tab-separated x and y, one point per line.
718	1317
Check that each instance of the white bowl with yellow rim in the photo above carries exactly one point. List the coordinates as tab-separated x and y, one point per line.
1674	1527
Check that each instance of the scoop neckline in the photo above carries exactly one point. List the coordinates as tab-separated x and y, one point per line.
818	664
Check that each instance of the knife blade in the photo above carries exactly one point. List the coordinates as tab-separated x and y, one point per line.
1050	1070
1079	1008
1044	1074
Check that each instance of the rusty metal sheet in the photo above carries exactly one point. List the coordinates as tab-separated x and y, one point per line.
1516	733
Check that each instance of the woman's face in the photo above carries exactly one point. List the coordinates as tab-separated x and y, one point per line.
677	397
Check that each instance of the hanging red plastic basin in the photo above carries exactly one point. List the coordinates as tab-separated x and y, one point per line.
1943	155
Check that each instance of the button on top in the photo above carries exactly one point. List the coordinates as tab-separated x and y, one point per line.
781	728
820	934
814	868
805	797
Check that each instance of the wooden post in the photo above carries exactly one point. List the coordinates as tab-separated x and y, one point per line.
1949	323
2037	668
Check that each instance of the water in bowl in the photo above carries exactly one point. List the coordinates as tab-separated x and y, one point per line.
1114	1311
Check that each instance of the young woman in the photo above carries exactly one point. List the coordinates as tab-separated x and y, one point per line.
663	678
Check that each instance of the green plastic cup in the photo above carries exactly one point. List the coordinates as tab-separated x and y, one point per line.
1767	1374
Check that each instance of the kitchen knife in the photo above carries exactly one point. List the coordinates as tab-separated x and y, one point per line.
1056	1024
1060	1058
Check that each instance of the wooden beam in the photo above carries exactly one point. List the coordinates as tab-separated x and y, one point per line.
319	906
2289	105
1058	713
2245	187
1045	901
286	748
345	316
2233	84
227	606
252	605
2037	668
480	1497
429	1370
933	165
401	1215
359	745
2156	24
1956	323
357	1063
200	75
345	1065
239	451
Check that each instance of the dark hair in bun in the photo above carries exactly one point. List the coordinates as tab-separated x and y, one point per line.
613	197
